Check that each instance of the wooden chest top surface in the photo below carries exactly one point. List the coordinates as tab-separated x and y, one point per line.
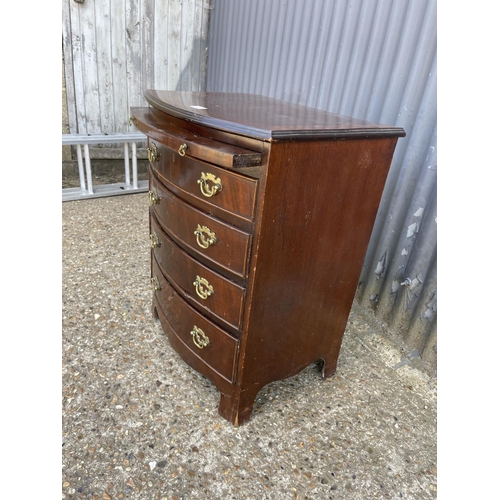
262	117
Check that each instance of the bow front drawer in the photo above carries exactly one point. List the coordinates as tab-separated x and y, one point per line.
206	236
200	170
202	342
184	142
193	179
205	289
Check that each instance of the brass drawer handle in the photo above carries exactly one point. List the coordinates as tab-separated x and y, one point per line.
155	284
203	288
205	189
154	199
153	154
155	241
200	339
183	149
205	237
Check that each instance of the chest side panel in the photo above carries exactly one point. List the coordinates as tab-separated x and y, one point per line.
321	199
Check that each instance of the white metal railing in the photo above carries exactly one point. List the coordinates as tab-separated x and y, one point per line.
87	189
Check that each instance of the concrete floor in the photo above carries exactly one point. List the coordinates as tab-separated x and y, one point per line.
140	424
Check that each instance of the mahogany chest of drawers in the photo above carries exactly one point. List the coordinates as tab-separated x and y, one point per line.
261	212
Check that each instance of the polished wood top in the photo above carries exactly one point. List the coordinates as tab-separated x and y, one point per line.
263	117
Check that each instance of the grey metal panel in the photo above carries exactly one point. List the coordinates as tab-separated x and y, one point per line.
374	60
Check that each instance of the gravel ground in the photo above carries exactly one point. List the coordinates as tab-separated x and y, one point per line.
137	423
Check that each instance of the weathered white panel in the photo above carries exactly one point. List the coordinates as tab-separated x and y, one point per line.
88	55
68	61
133	51
198	64
160	53
75	73
148	44
119	81
102	11
116	49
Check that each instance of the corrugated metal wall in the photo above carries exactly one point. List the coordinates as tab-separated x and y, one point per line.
116	49
371	59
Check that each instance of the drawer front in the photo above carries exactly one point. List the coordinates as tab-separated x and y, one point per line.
208	290
215	240
159	127
212	185
209	343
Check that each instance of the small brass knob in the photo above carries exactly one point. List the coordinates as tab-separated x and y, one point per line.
154	199
203	288
153	153
205	237
205	188
200	339
155	284
183	149
155	241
